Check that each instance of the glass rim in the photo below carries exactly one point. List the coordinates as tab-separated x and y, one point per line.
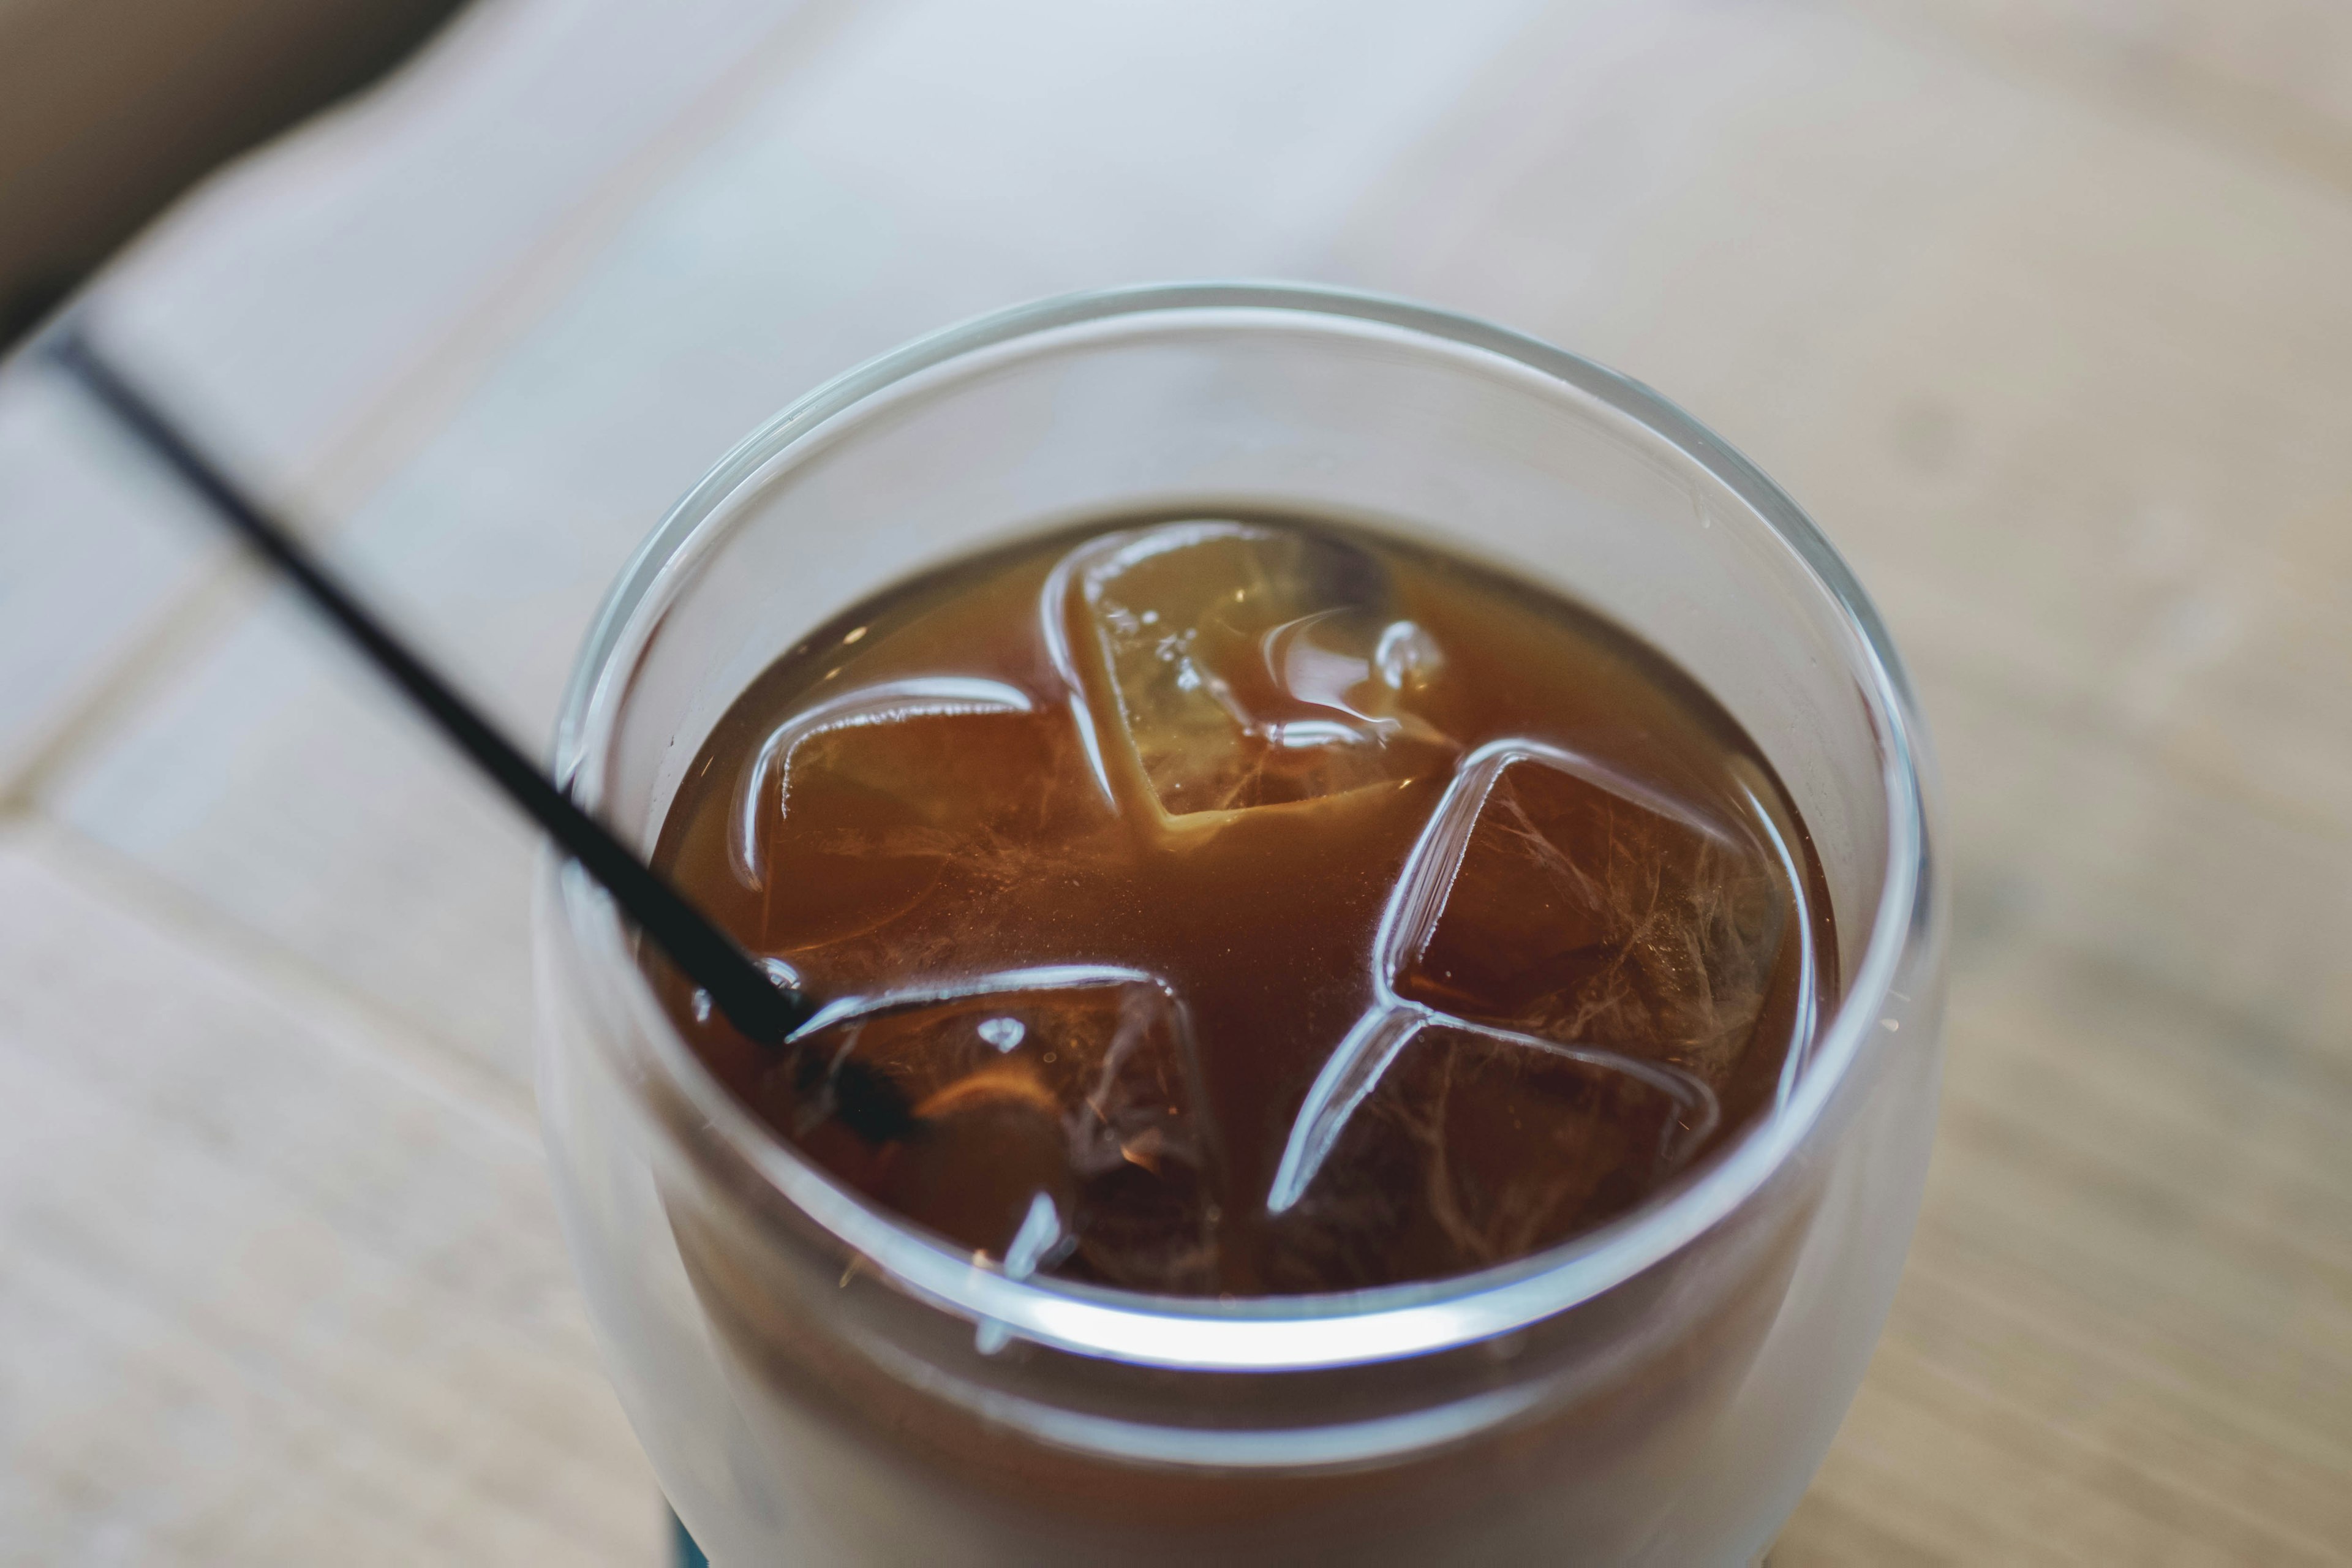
1265	1333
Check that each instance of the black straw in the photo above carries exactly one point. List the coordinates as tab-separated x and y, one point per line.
867	1103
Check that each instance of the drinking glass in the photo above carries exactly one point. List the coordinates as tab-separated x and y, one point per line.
817	1383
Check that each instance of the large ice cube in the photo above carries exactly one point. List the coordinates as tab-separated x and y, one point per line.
1073	1083
854	811
1472	1148
1553	919
1222	666
897	706
1584	908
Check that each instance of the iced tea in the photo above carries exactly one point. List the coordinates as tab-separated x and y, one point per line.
1254	905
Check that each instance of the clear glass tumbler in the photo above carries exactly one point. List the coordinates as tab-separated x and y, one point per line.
816	1384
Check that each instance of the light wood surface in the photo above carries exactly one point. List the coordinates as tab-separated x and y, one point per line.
2045	311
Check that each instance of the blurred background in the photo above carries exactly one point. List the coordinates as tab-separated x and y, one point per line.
2042	307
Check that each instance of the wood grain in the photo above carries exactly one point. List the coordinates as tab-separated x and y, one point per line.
273	1291
2044	311
93	554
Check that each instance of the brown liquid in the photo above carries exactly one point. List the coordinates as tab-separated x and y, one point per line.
1255	907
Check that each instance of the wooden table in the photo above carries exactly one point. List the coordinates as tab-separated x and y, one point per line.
2045	311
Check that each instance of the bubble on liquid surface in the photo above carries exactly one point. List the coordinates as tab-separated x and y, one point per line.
1070	1084
1231	666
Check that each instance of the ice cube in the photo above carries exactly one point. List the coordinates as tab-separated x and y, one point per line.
895	703
1556	898
1471	1148
853	809
1222	666
1070	1084
1562	918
